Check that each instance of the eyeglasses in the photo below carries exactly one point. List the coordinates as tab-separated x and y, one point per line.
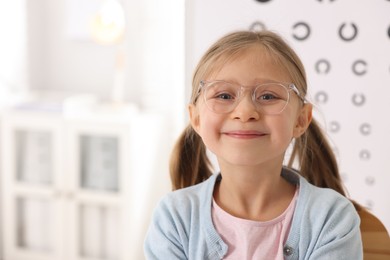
271	98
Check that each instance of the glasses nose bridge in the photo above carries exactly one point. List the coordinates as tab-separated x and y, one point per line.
250	90
241	95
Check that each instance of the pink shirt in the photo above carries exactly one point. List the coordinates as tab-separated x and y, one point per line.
249	239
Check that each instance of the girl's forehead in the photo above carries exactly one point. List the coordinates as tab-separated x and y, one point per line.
253	60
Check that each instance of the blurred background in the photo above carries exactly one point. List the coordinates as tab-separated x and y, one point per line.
93	94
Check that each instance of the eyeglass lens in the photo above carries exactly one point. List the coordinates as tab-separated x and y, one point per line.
223	97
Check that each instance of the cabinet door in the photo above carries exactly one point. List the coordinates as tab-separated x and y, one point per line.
31	169
98	177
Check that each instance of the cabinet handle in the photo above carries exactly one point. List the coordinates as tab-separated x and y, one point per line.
70	195
57	194
67	195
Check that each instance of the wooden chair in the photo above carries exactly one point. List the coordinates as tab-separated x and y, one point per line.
376	240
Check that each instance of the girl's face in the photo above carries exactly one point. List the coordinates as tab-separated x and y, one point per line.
245	136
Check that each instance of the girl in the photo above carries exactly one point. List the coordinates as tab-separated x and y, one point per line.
248	103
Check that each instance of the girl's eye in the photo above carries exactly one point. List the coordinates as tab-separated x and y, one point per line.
267	96
224	96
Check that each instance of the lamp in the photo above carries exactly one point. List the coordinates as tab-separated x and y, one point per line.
107	27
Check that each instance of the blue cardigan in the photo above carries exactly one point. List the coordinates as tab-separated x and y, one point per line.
325	225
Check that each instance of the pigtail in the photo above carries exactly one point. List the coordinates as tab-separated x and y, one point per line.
189	164
317	161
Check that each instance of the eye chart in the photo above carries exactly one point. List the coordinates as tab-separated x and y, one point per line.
345	47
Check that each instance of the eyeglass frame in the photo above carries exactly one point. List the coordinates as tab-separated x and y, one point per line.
291	86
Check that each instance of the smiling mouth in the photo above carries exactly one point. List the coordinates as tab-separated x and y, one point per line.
244	134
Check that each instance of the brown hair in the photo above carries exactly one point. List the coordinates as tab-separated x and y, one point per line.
189	162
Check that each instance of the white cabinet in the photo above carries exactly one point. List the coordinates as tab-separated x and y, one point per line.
32	180
67	186
99	172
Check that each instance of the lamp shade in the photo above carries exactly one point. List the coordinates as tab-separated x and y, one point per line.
108	25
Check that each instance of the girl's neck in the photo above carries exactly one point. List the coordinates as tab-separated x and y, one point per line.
255	194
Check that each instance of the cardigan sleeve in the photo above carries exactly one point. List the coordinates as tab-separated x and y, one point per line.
341	238
163	239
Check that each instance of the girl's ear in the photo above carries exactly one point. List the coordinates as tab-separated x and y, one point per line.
303	120
194	117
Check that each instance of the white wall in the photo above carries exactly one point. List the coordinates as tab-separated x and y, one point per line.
61	60
366	178
13	48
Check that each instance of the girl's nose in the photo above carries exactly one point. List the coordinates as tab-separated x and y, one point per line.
245	110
